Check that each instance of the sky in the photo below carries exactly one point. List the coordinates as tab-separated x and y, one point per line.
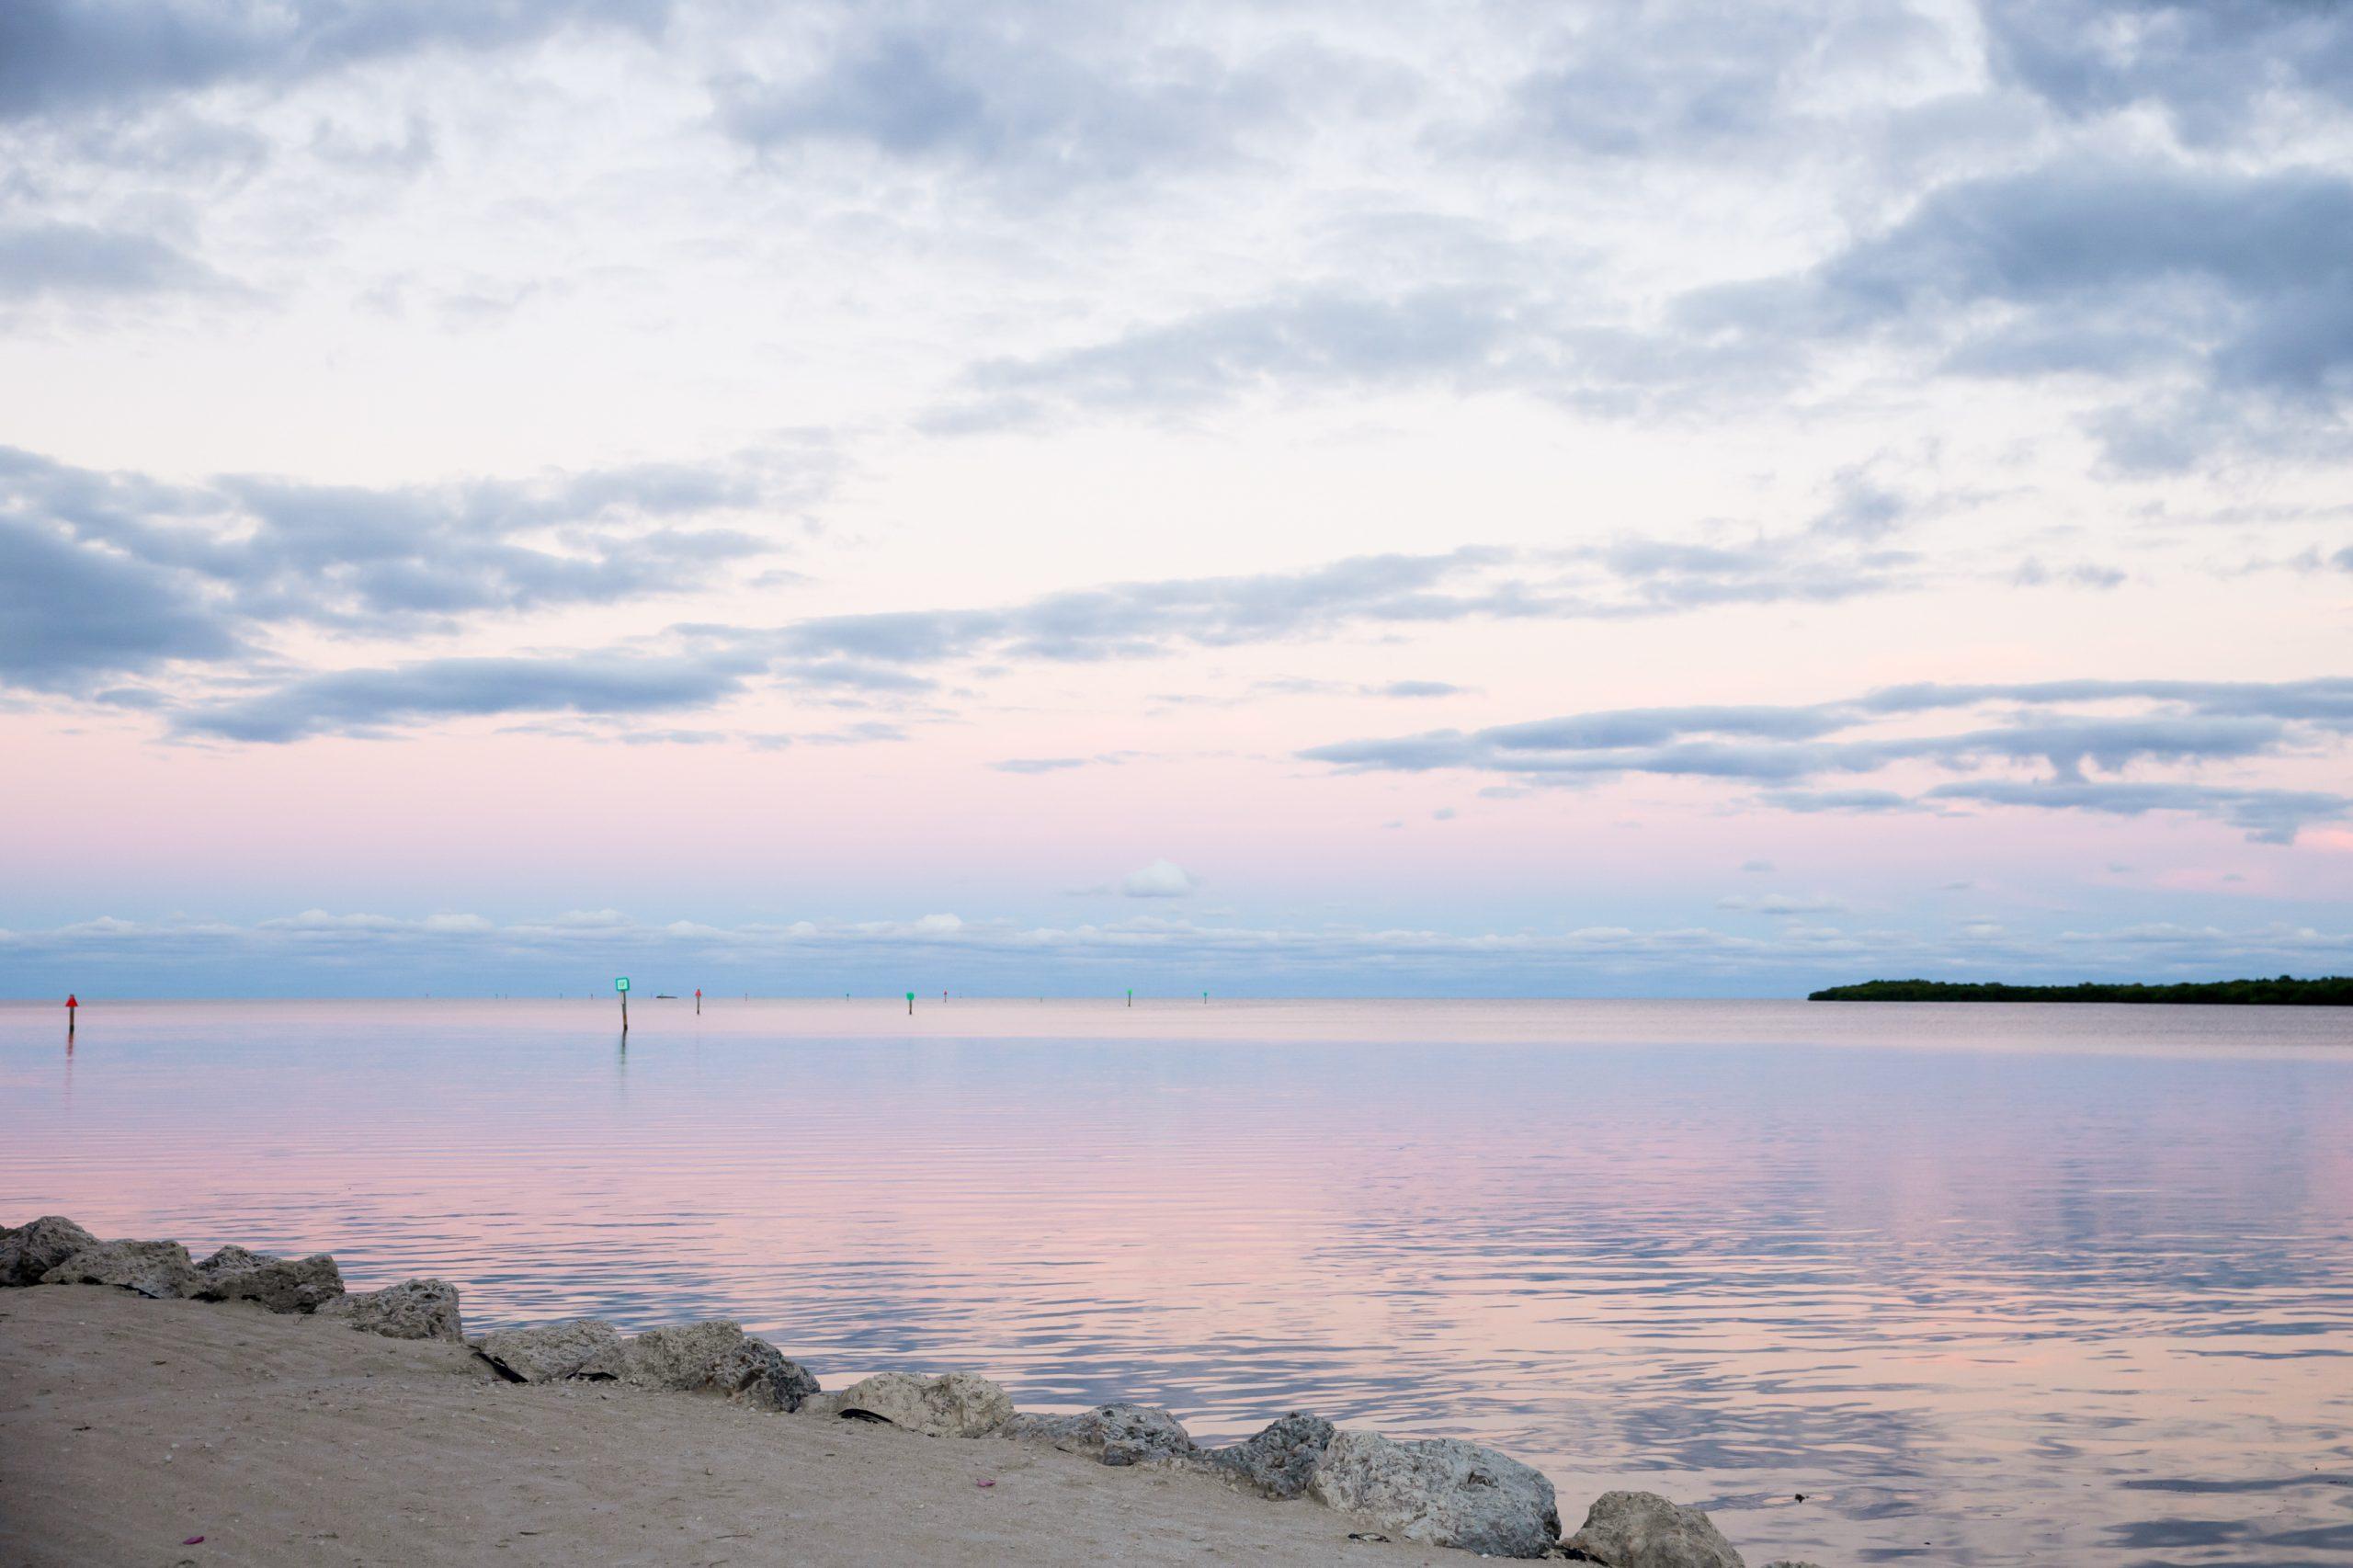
1678	499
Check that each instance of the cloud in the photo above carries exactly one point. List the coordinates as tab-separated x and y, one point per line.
257	553
1781	904
2031	573
1039	764
1808	801
2212	296
389	561
2269	817
359	700
357	578
1129	619
2183	722
70	615
872	731
1333	336
144	570
1036	100
2238	280
2327	701
63	56
1162	878
2206	66
1652	82
1033	765
75	260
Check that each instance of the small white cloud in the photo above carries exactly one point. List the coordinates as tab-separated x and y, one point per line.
1781	904
1162	878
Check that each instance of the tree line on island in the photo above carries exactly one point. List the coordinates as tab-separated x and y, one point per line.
2328	990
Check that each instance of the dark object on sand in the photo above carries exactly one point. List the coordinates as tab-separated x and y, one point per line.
2333	991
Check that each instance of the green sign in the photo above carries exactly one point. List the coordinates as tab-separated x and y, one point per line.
621	983
911	996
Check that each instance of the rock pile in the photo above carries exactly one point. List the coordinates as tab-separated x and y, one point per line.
716	1358
1432	1492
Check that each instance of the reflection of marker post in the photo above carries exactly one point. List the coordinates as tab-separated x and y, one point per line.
621	984
911	1003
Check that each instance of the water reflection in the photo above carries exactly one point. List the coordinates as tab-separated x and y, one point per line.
1985	1285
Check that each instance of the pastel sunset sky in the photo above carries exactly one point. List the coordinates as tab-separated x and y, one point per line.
1273	499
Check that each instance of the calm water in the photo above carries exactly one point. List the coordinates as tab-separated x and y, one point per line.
1995	1285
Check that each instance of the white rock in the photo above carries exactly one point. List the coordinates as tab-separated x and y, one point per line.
414	1308
281	1284
31	1250
1643	1529
956	1405
1440	1492
547	1351
161	1269
1281	1460
1110	1433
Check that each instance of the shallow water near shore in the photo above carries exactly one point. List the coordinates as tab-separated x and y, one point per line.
1988	1285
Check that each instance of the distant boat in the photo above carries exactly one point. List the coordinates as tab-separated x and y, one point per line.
664	997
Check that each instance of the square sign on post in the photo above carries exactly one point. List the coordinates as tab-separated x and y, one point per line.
621	983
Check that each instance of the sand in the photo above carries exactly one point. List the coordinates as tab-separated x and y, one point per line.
128	1426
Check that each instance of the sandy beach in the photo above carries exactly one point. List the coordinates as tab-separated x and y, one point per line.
129	1426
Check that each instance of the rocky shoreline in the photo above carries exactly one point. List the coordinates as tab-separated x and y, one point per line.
1436	1491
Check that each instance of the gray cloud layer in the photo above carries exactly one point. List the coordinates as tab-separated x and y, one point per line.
2240	282
1039	99
1993	229
112	574
2230	291
2207	65
2184	723
62	56
77	260
901	654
